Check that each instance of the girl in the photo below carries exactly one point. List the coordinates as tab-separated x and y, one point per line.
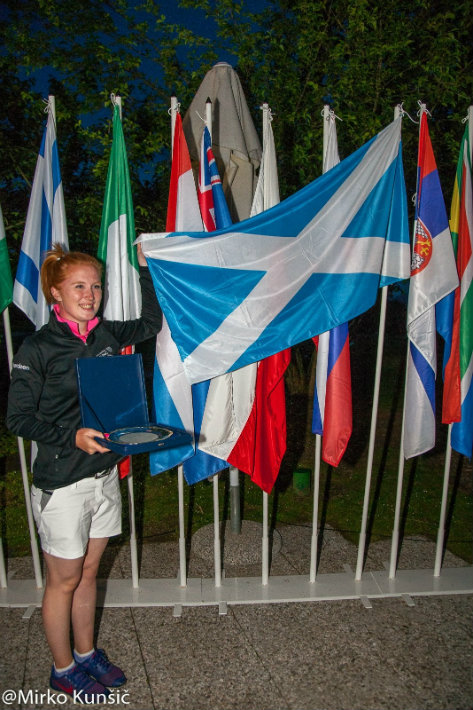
75	493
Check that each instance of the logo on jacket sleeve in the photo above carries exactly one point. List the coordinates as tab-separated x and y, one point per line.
19	366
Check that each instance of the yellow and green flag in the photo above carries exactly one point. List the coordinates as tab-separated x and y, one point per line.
458	360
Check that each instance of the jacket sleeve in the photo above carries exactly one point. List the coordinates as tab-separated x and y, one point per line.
150	321
26	386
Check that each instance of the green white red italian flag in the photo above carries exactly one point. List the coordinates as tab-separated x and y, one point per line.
122	295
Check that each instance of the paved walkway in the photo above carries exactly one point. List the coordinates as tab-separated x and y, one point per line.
326	655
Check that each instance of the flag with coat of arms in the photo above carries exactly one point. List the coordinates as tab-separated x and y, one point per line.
433	276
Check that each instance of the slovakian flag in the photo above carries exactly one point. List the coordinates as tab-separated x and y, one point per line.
122	293
6	283
310	263
215	213
433	276
45	226
332	410
456	311
172	396
213	205
244	420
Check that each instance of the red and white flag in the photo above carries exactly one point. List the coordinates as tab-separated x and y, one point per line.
245	418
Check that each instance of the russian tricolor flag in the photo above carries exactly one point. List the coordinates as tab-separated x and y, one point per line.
332	411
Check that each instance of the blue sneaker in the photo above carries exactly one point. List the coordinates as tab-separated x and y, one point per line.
79	686
99	667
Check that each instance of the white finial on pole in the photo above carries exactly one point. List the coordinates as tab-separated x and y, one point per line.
172	111
52	106
116	100
470	130
326	116
208	116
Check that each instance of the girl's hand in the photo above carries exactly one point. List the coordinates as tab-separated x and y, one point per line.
141	258
85	440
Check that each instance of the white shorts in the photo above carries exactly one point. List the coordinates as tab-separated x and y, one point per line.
67	517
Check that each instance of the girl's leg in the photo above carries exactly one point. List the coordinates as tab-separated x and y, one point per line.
85	595
62	579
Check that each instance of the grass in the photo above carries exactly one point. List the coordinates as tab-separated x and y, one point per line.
341	489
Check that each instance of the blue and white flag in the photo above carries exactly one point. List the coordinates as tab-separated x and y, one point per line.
312	262
45	226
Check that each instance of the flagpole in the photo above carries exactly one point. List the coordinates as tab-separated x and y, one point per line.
180	469
24	474
265	538
7	329
318	438
400	475
443	506
217	548
129	478
374	416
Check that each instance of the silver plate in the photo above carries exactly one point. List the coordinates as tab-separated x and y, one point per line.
140	435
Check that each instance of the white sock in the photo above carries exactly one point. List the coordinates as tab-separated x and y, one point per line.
80	657
63	671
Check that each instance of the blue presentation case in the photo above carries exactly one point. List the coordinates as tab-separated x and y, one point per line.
112	398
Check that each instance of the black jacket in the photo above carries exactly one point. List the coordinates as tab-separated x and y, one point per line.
43	402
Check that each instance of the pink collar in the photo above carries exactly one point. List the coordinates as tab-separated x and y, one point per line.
75	326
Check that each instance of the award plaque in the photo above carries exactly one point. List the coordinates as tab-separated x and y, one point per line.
112	398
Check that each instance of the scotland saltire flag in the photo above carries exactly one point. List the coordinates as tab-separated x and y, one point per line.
215	212
172	396
456	311
213	205
45	226
433	276
332	410
312	262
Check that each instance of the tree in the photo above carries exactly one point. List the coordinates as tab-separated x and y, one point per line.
362	58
